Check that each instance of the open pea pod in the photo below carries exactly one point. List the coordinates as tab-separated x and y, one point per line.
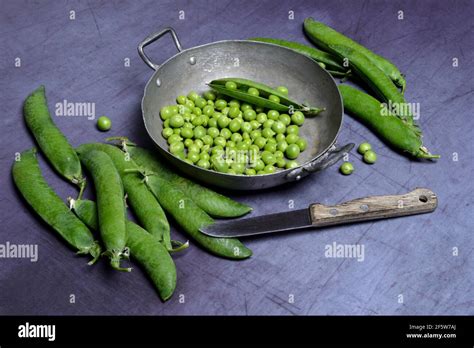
285	104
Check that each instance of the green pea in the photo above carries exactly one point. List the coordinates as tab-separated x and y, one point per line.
278	154
363	148
268	133
174	109
236	137
297	118
181	100
223	121
268	157
217	150
200	102
183	109
219	141
231	85
259	165
173	138
176	121
234	102
166	124
269	169
193	96
230	144
293	129
274	98
245	106
176	147
255	134
272	141
250	171
204	156
225	111
166	112
282	90
241	146
281	163
187	133
346	168
193	148
273	115
209	95
268	124
255	124
177	131
246	127
199	132
279	127
249	115
189	104
220	104
234	111
167	132
239	168
246	136
285	119
292	138
212	122
270	147
280	137
370	157
260	142
302	144
292	151
220	165
254	148
213	132
193	157
188	142
204	164
208	110
198	142
261	117
226	133
234	125
291	164
207	139
282	145
253	91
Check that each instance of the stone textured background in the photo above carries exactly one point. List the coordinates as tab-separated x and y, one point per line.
83	61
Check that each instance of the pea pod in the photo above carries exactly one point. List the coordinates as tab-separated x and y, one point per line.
51	141
375	78
151	254
324	37
110	205
211	202
145	206
330	61
285	105
49	206
389	128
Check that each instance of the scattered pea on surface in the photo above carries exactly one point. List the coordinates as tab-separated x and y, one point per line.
346	168
370	157
364	147
104	123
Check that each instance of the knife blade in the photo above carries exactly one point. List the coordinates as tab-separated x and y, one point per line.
418	201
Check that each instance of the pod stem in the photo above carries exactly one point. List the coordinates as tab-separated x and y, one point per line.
424	153
179	246
115	258
82	187
122	142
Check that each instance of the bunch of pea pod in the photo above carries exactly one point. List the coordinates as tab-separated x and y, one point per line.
122	175
343	57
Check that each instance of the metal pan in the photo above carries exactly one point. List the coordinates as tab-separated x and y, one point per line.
273	65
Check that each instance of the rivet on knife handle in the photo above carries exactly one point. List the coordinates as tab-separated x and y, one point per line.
418	201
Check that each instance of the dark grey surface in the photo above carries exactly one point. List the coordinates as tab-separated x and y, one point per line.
83	61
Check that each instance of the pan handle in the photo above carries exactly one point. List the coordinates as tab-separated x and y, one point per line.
152	38
332	156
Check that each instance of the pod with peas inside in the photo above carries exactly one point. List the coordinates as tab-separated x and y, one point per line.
214	131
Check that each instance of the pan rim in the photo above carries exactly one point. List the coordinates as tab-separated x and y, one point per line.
279	172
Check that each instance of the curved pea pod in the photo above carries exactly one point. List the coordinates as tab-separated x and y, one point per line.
390	129
110	205
51	141
331	62
374	77
49	206
151	254
285	105
144	204
211	202
324	36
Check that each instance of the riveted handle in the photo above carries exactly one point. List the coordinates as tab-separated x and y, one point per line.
418	201
152	38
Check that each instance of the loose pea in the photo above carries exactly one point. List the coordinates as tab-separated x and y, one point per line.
278	154
280	138
225	111
193	148
188	142
273	115
167	132
189	104
208	110
166	124
198	142
236	138
272	140
187	133
346	168
177	131
253	91
183	109
209	95
230	144
282	90
219	141
203	163
260	142
281	163
212	122
363	148
269	169
250	171
259	165
193	156
286	119
220	104
270	147
282	145
205	148
297	118
255	149
231	85
268	157
174	109
278	127
293	129
220	165
234	102
223	121
370	157
238	167
200	102
245	106
255	134
246	127
274	98
199	132
181	100
176	121
226	133
255	124
302	144
197	111
291	164
210	102
231	171
249	115
176	147
292	151
213	132
234	111
261	117
246	136
268	133
204	156
173	138
181	155
291	138
166	112
193	96
217	150
207	139
234	125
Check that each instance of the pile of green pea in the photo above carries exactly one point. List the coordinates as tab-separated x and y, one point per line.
230	136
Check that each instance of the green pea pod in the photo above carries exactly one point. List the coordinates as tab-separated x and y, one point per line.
145	206
49	206
324	37
285	105
375	78
389	128
151	254
110	205
51	141
330	61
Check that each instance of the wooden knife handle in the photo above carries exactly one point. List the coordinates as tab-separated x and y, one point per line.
418	201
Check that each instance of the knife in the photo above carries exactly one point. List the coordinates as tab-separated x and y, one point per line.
418	201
